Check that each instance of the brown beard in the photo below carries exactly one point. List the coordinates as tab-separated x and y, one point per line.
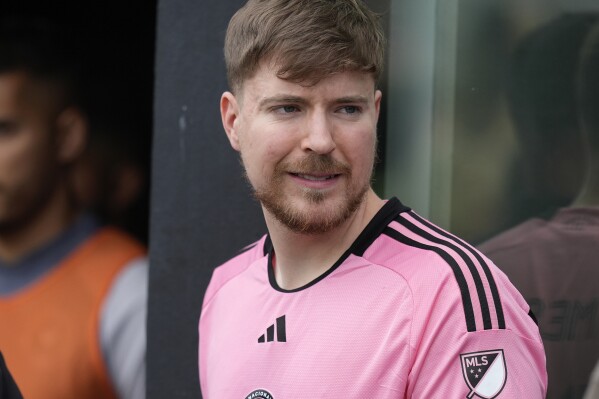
272	198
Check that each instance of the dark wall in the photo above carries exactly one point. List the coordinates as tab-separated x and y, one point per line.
202	213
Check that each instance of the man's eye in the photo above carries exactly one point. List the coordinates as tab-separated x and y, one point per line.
7	127
350	109
288	109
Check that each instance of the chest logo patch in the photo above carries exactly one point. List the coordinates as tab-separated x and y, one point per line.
259	394
281	332
485	373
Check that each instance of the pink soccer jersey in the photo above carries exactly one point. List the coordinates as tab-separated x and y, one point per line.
409	311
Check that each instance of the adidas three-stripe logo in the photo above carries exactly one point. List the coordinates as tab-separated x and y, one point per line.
281	332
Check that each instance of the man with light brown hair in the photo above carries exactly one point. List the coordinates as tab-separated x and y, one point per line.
348	295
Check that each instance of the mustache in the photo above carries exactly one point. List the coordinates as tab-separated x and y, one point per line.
315	164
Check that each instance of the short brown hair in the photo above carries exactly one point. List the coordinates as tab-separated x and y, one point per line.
306	39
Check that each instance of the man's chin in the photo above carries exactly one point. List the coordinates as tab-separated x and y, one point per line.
312	225
312	216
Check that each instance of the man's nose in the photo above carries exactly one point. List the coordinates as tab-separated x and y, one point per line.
318	135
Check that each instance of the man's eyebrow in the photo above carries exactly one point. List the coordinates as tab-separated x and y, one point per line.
279	99
352	99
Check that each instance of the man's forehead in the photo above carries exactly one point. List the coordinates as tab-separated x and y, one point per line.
266	83
14	79
13	87
21	89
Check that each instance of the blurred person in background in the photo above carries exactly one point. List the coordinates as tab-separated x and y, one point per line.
542	99
72	293
111	179
552	261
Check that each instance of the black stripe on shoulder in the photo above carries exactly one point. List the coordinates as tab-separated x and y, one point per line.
483	263
457	271
478	283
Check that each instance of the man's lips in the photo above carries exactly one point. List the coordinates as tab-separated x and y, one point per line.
315	177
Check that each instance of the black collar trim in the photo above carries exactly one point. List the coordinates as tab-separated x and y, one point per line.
371	232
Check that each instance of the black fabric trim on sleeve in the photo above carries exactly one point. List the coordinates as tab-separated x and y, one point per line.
457	271
484	265
480	289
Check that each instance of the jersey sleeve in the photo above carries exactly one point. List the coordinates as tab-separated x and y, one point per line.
451	361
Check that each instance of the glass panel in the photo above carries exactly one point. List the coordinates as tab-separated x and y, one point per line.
455	149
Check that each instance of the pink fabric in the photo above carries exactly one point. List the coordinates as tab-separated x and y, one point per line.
387	322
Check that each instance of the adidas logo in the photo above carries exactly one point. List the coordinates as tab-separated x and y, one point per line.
270	332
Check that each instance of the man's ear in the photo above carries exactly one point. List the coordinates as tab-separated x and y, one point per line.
72	129
229	112
378	95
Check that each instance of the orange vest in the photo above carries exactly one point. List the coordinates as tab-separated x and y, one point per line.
49	333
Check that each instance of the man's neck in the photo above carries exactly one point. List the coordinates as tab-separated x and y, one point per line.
53	219
301	258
